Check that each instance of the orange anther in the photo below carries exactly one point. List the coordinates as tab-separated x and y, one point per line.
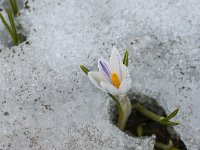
115	80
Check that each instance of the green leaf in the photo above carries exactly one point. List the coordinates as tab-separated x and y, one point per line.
125	60
163	146
169	123
86	70
173	114
6	24
14	7
12	23
9	29
153	116
140	129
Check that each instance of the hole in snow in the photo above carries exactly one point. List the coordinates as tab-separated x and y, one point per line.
163	133
5	38
5	3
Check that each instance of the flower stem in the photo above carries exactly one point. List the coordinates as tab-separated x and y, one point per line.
124	107
153	116
119	109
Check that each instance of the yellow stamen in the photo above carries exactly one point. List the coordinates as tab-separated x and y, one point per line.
115	80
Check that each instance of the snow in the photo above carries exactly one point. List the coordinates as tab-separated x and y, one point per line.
46	102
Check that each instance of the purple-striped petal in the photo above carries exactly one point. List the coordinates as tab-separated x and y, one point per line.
103	67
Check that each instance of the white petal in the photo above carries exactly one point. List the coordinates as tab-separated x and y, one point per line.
125	72
115	62
110	88
104	68
125	86
96	78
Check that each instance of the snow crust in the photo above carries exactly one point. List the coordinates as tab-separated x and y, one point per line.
46	102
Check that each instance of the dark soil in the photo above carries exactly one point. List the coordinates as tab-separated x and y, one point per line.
163	133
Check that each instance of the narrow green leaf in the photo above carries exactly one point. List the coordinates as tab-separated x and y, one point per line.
11	20
16	8
149	114
164	146
12	23
169	123
173	114
5	24
12	6
84	69
8	28
125	60
140	129
153	116
113	97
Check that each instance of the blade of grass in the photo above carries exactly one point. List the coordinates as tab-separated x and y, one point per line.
11	20
8	28
16	7
12	6
12	23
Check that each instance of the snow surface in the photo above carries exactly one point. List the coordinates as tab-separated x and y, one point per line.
46	102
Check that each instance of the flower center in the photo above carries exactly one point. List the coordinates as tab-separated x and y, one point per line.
115	79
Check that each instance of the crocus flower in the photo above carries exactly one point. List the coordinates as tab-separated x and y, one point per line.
113	76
